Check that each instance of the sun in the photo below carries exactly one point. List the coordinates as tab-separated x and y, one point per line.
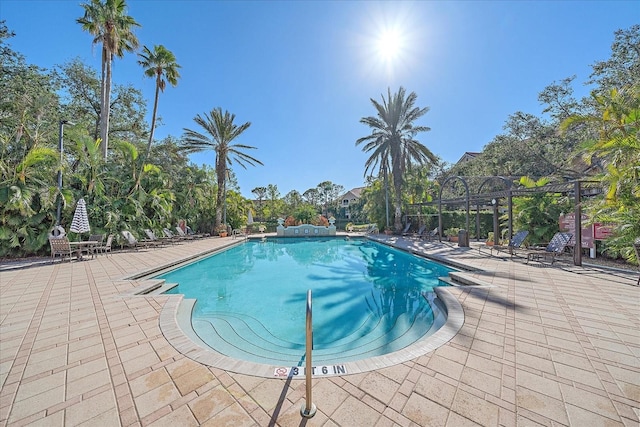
389	44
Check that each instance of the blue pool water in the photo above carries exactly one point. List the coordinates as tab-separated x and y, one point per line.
368	299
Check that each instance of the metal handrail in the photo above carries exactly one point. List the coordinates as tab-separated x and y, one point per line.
308	410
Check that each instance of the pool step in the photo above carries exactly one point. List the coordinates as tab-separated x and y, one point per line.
459	278
225	334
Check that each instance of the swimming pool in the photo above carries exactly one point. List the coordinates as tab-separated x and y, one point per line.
368	299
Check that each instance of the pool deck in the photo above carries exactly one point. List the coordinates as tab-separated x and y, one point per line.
539	345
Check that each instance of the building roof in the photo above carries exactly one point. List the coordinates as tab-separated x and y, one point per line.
356	193
468	155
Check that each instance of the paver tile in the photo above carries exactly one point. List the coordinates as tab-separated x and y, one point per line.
539	403
182	417
36	403
156	398
425	412
353	412
33	388
91	410
544	346
379	386
193	380
210	403
436	390
475	408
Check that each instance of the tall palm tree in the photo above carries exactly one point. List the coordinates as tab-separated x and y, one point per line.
161	64
220	133
392	144
111	26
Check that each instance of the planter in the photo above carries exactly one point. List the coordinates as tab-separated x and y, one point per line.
222	234
453	239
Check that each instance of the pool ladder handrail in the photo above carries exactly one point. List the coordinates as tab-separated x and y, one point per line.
308	410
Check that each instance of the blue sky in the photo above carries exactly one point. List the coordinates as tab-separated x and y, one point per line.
303	72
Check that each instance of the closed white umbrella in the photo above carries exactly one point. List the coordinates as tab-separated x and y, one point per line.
80	222
249	218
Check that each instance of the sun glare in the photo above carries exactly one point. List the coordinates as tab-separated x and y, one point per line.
389	45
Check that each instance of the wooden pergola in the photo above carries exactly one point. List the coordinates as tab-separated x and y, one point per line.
574	188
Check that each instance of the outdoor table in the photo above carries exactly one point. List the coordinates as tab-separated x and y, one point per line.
89	245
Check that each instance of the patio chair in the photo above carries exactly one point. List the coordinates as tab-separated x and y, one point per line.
132	242
420	231
406	229
431	234
184	235
106	247
555	248
373	228
169	234
514	243
60	246
98	238
161	240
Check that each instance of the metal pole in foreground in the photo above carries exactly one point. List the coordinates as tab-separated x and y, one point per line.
308	410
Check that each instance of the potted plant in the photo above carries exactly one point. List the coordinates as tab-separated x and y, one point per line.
490	241
452	234
222	230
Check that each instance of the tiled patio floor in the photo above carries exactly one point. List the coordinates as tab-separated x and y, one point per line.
540	346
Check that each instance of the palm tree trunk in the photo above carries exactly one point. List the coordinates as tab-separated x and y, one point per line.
105	107
153	120
103	88
221	173
143	159
397	187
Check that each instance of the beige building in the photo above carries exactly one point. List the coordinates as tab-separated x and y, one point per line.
349	198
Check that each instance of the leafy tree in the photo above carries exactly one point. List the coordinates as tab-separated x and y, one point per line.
616	143
274	207
160	64
28	159
221	134
293	199
313	196
373	201
260	193
305	214
109	25
329	192
392	141
128	107
610	132
622	69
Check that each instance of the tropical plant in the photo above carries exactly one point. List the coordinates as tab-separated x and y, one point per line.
305	214
392	142
610	132
220	135
616	143
160	64
538	213
109	25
